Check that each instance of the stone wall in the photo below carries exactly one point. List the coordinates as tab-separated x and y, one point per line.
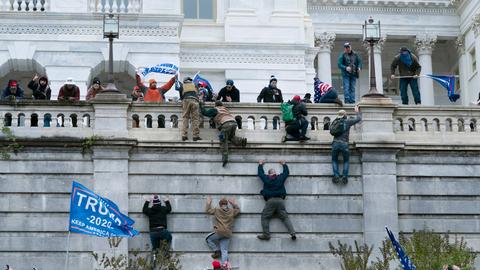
403	175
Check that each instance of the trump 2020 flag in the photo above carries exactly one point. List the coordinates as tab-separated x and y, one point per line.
165	68
407	264
93	215
200	81
448	82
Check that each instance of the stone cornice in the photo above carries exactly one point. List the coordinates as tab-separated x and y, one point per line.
325	40
85	29
379	8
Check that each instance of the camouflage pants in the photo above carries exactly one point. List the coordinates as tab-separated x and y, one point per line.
228	131
191	112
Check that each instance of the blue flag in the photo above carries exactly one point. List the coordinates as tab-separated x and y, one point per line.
93	215
448	82
407	264
201	82
165	68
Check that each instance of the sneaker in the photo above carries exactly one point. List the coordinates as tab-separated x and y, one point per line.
184	138
197	139
344	180
336	179
263	236
293	237
338	101
217	254
244	142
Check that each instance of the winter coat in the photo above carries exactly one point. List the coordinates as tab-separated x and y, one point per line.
66	94
18	94
269	94
403	69
353	60
40	92
233	93
224	219
273	186
157	214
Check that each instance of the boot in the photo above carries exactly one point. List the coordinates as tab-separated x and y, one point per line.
263	236
344	180
244	142
216	254
197	139
184	138
338	101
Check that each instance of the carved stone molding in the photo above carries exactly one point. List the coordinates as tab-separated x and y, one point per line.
380	8
425	43
242	58
310	55
460	44
476	24
456	2
325	40
54	29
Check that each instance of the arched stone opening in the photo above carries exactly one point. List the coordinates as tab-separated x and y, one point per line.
21	70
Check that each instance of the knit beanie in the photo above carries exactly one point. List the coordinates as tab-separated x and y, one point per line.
96	81
156	200
216	265
272	78
12	83
223	201
342	113
151	81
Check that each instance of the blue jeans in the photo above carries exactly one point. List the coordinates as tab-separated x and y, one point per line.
329	97
159	235
223	242
349	83
337	148
404	82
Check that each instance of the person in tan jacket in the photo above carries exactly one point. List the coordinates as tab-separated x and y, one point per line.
219	239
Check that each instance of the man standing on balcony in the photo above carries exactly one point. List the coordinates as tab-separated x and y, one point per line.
219	239
157	218
350	63
191	109
40	89
271	93
229	93
340	130
227	125
274	194
13	91
69	91
154	93
409	69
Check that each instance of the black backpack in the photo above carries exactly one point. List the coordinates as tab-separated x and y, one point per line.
337	127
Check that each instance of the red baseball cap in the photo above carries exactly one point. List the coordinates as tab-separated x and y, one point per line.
297	98
216	265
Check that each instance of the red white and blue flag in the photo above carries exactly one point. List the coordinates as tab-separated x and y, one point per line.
407	264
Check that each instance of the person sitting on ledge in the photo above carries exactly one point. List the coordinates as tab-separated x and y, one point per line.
13	91
325	93
69	91
227	125
41	90
154	93
297	128
274	194
224	219
94	89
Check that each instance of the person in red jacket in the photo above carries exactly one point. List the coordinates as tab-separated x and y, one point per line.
154	93
69	91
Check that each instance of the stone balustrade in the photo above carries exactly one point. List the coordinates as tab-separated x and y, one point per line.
115	6
24	5
258	122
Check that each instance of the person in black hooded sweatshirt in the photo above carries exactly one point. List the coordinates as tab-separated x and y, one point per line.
41	89
157	215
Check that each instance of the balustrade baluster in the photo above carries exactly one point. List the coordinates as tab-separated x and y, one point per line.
34	5
123	7
92	7
114	6
27	5
44	5
16	5
136	6
100	7
10	4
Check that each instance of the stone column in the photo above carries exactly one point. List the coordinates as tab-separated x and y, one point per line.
324	42
476	31
111	115
377	49
425	44
463	70
379	171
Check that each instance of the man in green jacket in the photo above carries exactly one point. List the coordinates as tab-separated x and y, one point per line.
274	194
227	125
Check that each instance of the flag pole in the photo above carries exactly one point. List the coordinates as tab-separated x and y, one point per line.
68	251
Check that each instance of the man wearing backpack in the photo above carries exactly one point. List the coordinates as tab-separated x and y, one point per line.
295	122
340	130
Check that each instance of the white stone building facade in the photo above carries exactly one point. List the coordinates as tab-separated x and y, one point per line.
244	40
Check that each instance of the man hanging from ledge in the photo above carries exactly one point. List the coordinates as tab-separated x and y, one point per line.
154	93
227	125
274	193
219	239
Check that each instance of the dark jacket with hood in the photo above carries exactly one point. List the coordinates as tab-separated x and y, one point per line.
403	68
268	95
157	214
40	92
233	93
273	187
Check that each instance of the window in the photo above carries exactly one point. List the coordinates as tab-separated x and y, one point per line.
473	59
199	9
